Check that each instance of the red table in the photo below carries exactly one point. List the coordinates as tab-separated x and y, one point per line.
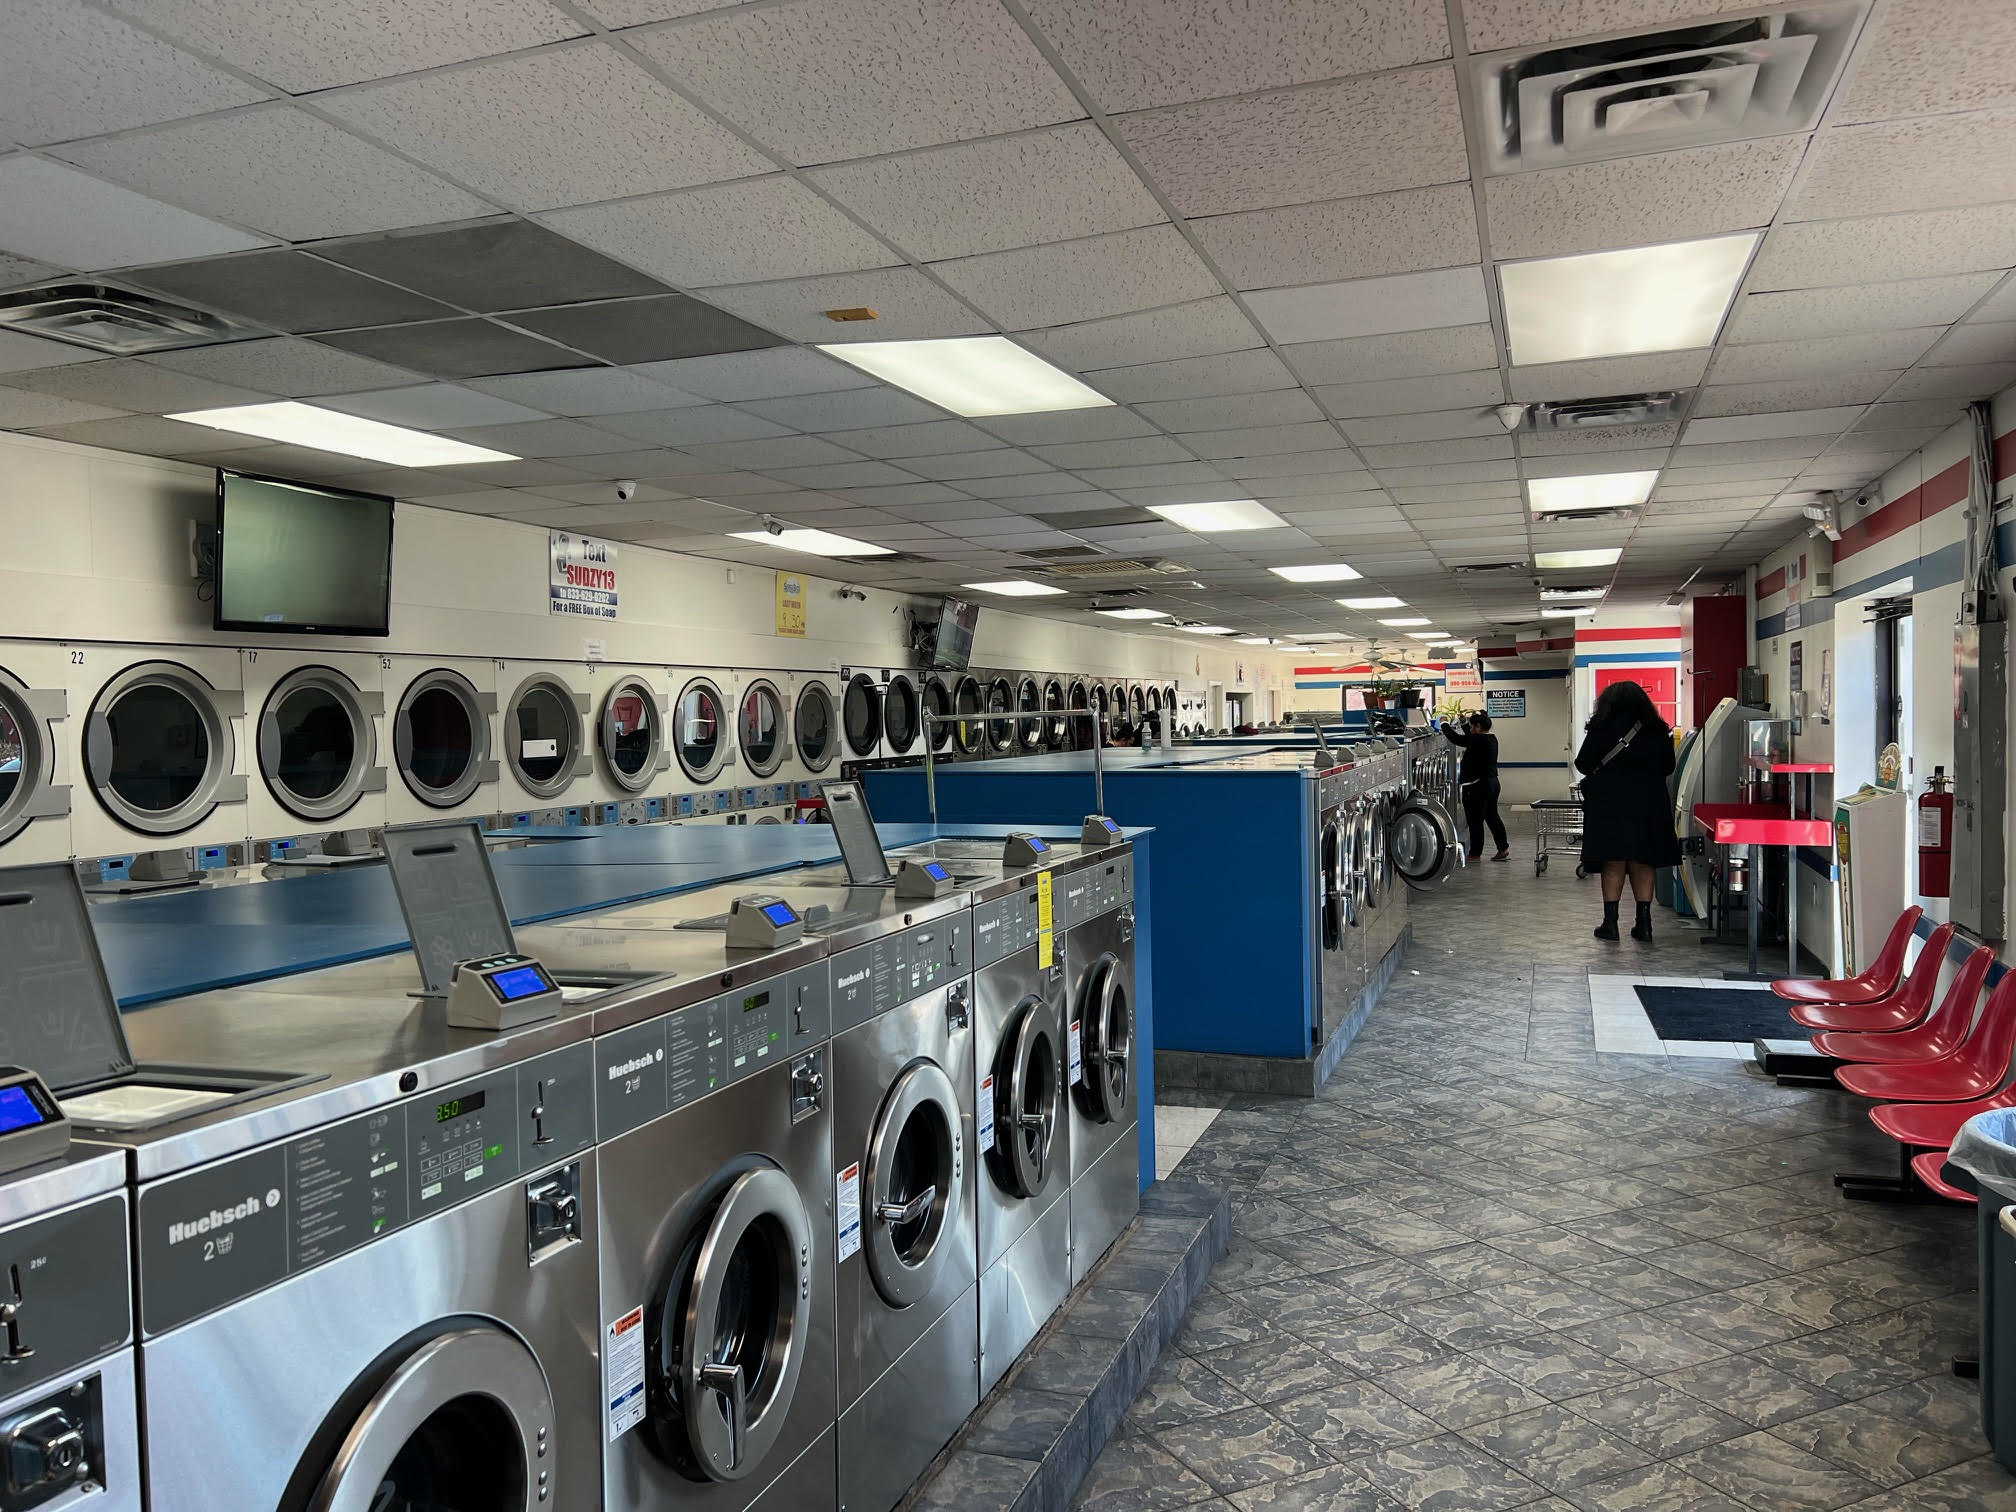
1767	824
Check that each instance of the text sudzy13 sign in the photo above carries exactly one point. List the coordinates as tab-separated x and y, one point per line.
582	577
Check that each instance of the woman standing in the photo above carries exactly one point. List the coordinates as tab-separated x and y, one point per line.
1479	779
1627	818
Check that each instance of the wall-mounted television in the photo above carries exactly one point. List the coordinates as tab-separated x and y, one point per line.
301	559
954	647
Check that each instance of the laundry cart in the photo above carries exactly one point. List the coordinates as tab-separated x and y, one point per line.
1557	827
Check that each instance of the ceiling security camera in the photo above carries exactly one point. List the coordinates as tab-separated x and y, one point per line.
1511	416
775	527
626	489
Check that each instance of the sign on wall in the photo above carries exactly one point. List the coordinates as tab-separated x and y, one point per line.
790	604
1505	703
582	579
1463	677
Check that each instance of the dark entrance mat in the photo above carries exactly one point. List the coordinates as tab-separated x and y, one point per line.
1718	1013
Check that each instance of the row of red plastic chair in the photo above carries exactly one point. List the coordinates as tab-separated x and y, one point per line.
1931	1068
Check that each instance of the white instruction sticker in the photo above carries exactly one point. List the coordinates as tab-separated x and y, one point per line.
1077	1063
625	1356
985	1114
1929	826
849	1209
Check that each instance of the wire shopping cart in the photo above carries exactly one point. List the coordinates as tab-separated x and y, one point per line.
1557	826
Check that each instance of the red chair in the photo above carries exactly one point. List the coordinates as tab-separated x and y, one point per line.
1927	1168
1879	981
1979	1067
1900	1010
1941	1034
1934	1126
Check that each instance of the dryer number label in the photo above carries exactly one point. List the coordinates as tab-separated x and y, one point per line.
624	1352
848	1211
984	1113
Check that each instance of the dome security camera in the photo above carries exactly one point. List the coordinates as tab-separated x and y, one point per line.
626	489
1511	416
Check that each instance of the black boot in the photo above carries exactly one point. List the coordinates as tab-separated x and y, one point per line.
1642	930
1607	930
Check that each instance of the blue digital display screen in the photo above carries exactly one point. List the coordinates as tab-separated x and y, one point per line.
1112	828
18	1110
934	871
779	913
1037	845
520	982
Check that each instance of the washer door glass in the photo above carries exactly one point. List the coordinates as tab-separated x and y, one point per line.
14	774
861	714
1329	905
157	748
1055	727
1137	701
1103	709
916	1163
26	762
698	722
1027	1092
543	736
1106	1040
441	738
631	736
761	729
1000	700
899	714
1420	844
1077	734
938	700
727	1331
968	734
1122	725
315	743
816	737
1029	699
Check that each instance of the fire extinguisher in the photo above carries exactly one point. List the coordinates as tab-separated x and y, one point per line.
1935	837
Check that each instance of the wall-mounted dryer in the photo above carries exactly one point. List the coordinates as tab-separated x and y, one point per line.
1120	716
629	708
1102	707
547	752
1000	695
441	718
969	697
703	738
815	729
1056	727
935	695
315	721
1078	735
901	728
35	756
861	715
1029	702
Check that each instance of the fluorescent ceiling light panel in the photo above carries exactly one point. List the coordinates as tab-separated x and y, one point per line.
1328	572
1384	602
1256	640
1610	304
1224	515
1597	556
815	542
1014	588
1564	595
1429	635
1567	611
1296	650
971	375
1589	491
346	435
1132	614
1205	629
1401	624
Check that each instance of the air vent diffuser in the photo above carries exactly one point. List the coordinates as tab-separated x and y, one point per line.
119	322
1114	567
1601	414
1478	569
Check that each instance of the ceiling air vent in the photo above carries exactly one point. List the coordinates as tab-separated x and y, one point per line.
1105	568
119	322
1715	81
1602	414
1480	569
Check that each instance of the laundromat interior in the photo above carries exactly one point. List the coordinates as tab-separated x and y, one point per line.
1007	755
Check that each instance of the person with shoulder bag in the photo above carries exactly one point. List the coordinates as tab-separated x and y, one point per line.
1627	818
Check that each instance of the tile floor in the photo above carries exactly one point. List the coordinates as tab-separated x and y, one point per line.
1622	1027
1494	1267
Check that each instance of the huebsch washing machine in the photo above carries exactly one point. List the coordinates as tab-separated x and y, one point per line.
441	726
35	756
1096	915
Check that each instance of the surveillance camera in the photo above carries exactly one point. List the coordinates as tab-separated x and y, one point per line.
626	489
775	527
1511	416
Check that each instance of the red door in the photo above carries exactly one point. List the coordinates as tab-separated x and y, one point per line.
1661	685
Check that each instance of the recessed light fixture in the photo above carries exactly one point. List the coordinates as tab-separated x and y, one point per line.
1610	304
1565	595
1205	629
1401	624
814	542
1428	635
1595	556
1223	515
1256	640
1296	650
1014	588
1589	491
1331	572
1567	611
1132	614
971	375
347	435
1384	602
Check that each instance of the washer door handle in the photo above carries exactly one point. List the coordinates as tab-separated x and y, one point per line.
727	1382
1037	1124
908	1212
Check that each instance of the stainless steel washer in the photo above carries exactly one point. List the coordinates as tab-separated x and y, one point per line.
1097	915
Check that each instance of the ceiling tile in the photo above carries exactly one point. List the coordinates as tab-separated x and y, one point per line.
529	473
769	374
1994	341
1372	306
21	353
842	475
434	406
152	436
1437	425
1281	407
1795	314
1821	357
273	168
1637	201
929	438
1013	191
1080	280
646	330
908	306
1925	164
1686	458
769	452
696	423
1260	441
1922	244
1403	354
566	126
1792	393
1047	486
284	365
850	409
1248	372
622	13
1356	136
128	383
586	391
289	291
825	80
500	265
61	216
1961	383
1151	475
1137	452
1814	422
1326	464
455	348
1373	234
303	47
1397	396
1608	375
677	470
1199	328
1057	426
22	410
1132	54
756	229
1426	453
540	438
989	468
1596	439
1931	57
906	499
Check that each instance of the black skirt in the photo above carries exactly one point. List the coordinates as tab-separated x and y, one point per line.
1628	818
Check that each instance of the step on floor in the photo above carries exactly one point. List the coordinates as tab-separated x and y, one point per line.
1037	1434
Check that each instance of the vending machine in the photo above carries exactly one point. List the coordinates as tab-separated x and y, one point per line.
1871	856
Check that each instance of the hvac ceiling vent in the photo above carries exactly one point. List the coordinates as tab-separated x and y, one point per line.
1482	569
1716	81
1581	516
1605	414
119	322
1106	567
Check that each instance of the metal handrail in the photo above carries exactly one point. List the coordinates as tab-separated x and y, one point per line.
1016	717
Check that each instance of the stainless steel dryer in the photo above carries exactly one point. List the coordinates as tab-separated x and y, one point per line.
1096	915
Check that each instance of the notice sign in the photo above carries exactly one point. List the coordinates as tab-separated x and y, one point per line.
1463	677
583	576
790	604
1505	703
623	1357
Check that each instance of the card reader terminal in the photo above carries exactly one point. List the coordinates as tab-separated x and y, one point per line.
1024	849
32	1128
1098	831
923	879
763	921
501	992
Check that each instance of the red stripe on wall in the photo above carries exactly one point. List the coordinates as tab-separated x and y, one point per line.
1943	490
1656	632
1772	582
2005	456
1900	514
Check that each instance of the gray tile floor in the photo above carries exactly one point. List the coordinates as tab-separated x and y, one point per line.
1490	1268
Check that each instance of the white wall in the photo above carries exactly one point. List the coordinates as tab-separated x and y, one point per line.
1544	735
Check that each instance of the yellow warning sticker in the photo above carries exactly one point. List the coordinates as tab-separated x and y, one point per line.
1044	936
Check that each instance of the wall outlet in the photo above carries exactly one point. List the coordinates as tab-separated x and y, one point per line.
731	574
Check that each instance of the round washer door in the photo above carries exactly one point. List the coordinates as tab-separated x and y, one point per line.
1421	844
1329	900
1078	734
899	715
1028	1094
441	738
1029	700
542	735
861	714
700	730
632	736
1345	879
1055	726
969	735
1363	853
1000	700
759	728
318	749
938	703
458	1423
815	723
916	1163
158	748
726	1336
28	757
1106	1032
1122	724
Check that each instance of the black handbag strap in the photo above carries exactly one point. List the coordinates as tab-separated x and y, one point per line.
1619	748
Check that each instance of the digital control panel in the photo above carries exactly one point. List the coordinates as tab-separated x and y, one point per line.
227	1230
885	973
32	1127
501	992
65	1291
1005	925
1086	892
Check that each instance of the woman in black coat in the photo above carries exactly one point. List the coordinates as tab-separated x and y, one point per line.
1627	816
1479	781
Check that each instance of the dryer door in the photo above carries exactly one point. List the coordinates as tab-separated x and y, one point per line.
816	736
465	1420
1423	843
28	755
1055	728
970	735
441	738
1106	1026
632	735
861	714
726	1338
899	715
1027	1091
1331	904
1029	700
158	748
916	1164
1000	700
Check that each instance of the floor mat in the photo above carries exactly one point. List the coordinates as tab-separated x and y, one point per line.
1718	1013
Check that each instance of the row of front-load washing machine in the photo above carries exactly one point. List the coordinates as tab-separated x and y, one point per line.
756	1228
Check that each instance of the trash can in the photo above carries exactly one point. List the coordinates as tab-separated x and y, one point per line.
1986	1150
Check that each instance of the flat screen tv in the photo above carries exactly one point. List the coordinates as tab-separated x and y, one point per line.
300	558
954	647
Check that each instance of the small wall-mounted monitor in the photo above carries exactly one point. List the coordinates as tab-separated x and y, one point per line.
956	621
301	559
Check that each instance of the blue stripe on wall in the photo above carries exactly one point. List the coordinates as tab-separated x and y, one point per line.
1641	658
1935	569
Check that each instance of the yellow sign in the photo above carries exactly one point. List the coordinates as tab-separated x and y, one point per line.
790	604
1044	933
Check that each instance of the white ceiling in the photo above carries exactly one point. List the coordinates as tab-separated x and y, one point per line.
1259	227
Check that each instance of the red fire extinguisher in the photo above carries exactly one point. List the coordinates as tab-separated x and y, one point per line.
1935	837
